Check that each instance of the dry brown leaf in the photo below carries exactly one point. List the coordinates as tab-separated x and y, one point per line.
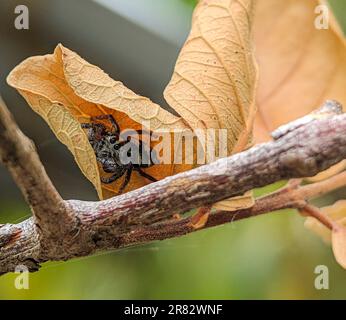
81	90
85	90
236	203
337	212
215	76
95	86
339	245
300	66
68	130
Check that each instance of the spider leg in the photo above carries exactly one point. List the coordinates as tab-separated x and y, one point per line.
141	131
110	118
126	180
95	126
151	153
113	178
86	125
147	132
98	128
145	175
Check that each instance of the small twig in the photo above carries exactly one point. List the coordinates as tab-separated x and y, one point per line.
289	197
316	213
320	188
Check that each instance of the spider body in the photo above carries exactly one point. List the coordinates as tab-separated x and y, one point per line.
110	151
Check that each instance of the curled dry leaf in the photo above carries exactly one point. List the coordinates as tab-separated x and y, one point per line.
337	212
214	81
236	203
300	65
218	51
66	91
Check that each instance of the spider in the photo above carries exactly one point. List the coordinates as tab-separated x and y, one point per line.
108	150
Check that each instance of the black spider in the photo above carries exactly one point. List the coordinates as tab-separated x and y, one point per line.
108	150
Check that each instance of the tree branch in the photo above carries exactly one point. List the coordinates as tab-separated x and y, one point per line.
301	148
52	215
290	197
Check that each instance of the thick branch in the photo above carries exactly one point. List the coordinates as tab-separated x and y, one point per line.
301	148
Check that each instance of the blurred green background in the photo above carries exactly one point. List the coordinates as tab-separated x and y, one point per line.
268	257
